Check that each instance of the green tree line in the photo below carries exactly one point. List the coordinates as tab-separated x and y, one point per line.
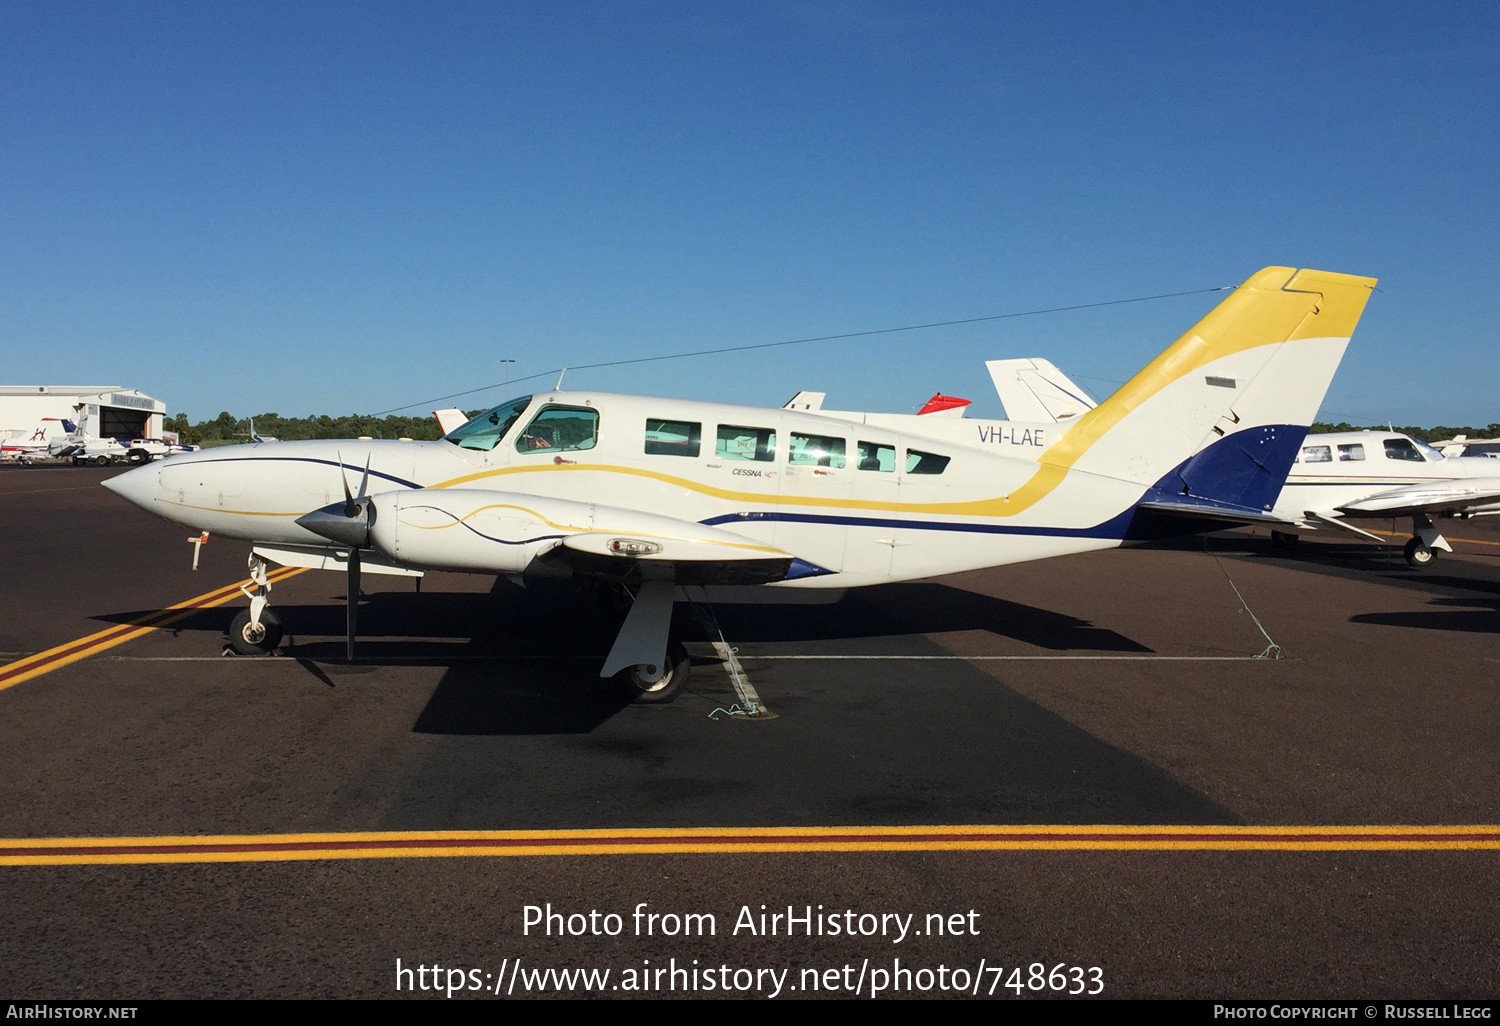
226	427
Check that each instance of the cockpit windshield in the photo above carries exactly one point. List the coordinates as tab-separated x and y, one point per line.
1433	456
484	432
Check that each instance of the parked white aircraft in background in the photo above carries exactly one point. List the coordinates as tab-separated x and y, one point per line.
1351	475
658	495
35	442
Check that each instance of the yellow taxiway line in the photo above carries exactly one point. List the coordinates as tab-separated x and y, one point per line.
31	666
53	851
1452	538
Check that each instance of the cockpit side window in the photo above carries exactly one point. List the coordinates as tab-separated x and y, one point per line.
560	429
1402	449
485	431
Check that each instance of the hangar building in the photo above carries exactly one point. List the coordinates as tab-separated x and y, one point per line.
104	411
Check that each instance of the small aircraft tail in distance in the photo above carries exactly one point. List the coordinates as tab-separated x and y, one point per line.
449	420
1212	425
256	436
941	405
1033	390
805	401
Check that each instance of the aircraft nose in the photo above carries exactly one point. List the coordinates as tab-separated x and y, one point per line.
138	485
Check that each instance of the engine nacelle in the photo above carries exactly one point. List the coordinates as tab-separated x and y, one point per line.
480	531
473	531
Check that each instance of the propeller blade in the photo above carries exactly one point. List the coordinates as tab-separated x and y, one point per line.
350	508
364	482
353	601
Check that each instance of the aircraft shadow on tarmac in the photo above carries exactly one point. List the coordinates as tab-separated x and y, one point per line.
556	619
912	742
1478	616
524	661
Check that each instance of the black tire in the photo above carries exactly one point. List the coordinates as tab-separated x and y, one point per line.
247	642
138	456
643	692
1418	554
1284	539
101	460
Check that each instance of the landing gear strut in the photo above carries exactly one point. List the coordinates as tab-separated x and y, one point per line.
647	664
1425	541
257	630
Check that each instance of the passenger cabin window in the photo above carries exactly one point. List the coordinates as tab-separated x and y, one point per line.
485	431
874	456
1317	454
672	437
918	462
1351	452
751	444
815	451
1402	449
560	429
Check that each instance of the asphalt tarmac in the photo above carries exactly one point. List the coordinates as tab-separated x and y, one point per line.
1118	688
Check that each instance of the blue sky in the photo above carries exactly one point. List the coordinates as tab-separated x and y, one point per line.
349	207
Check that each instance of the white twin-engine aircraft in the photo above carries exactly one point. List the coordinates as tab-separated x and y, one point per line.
663	496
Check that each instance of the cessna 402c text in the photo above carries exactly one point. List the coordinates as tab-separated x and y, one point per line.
663	496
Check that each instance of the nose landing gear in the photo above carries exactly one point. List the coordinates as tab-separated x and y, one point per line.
257	630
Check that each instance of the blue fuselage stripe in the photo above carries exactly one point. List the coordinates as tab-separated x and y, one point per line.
308	459
1113	528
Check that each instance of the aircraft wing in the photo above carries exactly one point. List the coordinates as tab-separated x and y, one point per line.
1465	495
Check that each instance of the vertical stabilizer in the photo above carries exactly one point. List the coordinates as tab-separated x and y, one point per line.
1219	415
1033	390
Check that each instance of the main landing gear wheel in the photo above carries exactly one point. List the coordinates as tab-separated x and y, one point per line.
1417	553
642	685
249	639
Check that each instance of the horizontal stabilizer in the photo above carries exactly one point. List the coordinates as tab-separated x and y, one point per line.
1207	509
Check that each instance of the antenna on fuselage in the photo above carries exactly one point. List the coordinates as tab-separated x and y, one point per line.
558	387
